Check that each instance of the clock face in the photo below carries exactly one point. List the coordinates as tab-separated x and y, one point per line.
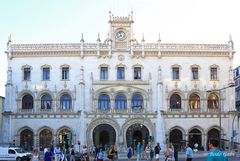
121	35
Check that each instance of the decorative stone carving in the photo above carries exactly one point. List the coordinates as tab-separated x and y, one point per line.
9	75
176	84
65	84
121	58
45	84
26	85
195	85
166	89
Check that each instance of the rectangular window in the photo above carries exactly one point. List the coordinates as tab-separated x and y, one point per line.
27	74
104	73
137	72
195	73
46	73
120	73
65	73
175	72
213	73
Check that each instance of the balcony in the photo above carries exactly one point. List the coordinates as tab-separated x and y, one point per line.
25	111
119	111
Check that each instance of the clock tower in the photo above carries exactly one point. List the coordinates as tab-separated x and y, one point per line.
120	31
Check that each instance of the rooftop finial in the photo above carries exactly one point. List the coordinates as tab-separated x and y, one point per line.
98	40
82	40
131	17
159	38
110	16
143	40
230	42
9	40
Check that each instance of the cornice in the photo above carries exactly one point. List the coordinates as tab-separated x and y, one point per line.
102	50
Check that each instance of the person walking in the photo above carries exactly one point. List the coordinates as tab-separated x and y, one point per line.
57	153
85	152
48	155
147	152
189	153
129	153
215	153
169	153
35	155
111	153
100	155
157	149
139	151
72	154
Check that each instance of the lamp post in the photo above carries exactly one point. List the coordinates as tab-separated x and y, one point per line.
232	84
237	113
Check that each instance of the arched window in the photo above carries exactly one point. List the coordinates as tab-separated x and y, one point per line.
194	101
66	102
27	102
104	102
120	101
45	138
213	101
137	101
26	139
46	102
175	137
175	101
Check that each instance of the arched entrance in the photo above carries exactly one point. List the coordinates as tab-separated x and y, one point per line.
212	134
137	133
45	139
176	138
26	139
195	136
65	138
104	134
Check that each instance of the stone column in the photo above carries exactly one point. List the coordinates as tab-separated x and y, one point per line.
82	135
160	131
7	110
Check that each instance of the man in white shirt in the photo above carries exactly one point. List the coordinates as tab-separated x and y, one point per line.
57	153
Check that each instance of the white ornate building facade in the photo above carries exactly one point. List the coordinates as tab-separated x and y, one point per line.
119	91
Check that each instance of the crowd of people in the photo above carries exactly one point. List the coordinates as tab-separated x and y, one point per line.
148	152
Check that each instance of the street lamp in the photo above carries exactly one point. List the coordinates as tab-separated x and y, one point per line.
232	84
237	113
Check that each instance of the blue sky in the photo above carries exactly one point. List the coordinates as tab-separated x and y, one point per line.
63	21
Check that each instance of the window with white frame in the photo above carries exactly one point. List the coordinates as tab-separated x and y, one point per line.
120	73
65	73
104	73
175	73
120	101
46	73
195	73
137	73
27	73
213	73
